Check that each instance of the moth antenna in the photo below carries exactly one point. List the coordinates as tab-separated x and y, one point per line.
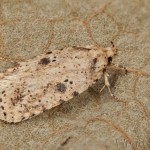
7	59
115	50
118	67
112	43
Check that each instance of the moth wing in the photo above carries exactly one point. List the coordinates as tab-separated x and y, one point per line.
44	82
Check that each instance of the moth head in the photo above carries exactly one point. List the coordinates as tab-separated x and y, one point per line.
111	51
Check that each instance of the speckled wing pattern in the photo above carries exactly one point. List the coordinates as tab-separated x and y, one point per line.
45	81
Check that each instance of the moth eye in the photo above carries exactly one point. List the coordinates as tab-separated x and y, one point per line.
109	60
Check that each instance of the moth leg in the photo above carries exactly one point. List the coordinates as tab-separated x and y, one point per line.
107	83
102	88
108	86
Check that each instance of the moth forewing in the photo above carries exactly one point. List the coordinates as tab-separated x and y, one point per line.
45	81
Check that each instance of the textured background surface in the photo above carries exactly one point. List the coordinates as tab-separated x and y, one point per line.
92	120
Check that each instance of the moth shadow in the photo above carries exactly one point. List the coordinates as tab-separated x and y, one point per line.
83	100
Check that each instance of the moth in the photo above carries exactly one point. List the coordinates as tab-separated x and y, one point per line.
47	80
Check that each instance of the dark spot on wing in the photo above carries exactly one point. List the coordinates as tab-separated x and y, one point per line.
49	52
75	93
23	118
93	66
94	60
66	80
2	107
3	92
44	61
17	98
4	114
0	99
71	82
61	87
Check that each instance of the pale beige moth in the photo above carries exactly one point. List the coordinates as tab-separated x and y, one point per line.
47	80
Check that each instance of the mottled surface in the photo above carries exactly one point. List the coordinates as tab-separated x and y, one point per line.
91	120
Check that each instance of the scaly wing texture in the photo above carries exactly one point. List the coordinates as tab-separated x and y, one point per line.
45	81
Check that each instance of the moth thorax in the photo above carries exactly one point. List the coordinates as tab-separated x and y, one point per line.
110	51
